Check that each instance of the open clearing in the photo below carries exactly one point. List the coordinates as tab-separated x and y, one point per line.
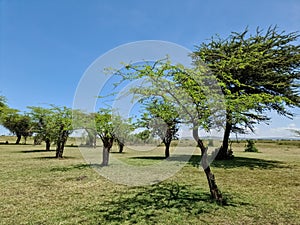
260	188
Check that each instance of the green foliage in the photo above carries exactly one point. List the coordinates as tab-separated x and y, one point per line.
257	73
161	118
250	146
144	135
16	123
191	93
52	124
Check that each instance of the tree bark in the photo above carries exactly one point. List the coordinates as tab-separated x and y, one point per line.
107	144
61	143
121	146
214	191
18	139
223	151
48	144
59	151
167	148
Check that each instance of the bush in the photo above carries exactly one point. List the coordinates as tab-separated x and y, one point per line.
250	146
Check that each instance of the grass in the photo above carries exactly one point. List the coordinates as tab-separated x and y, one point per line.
260	188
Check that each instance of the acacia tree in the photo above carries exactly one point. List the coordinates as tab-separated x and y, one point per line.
162	119
62	127
17	123
257	73
122	131
52	125
41	118
191	91
109	127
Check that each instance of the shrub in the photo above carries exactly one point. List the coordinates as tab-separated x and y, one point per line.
250	146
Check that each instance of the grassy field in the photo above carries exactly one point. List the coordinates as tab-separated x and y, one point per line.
260	188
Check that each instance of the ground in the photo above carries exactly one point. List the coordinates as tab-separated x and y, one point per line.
259	188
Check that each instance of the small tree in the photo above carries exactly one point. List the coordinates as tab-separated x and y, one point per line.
250	146
52	125
62	127
162	119
17	123
122	131
42	125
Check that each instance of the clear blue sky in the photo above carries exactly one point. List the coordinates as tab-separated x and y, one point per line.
46	45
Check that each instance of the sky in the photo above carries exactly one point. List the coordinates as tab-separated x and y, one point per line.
47	45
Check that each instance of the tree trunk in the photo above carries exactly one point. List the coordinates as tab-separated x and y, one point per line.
18	139
167	148
121	146
107	144
48	144
60	149
58	153
223	151
214	191
61	143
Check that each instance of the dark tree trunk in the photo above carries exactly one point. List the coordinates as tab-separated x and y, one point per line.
107	144
60	145
223	151
214	191
167	141
121	146
18	139
167	148
59	151
48	144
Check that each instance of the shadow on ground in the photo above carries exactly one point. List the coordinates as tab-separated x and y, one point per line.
251	163
195	160
147	204
36	151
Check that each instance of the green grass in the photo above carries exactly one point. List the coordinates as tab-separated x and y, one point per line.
260	188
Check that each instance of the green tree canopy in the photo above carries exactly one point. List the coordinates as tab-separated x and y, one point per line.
194	94
257	73
162	119
52	125
110	128
16	123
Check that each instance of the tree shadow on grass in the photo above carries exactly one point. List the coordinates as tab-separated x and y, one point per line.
36	151
251	163
76	167
149	204
159	158
53	157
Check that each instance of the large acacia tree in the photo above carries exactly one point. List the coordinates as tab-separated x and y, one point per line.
195	95
257	73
